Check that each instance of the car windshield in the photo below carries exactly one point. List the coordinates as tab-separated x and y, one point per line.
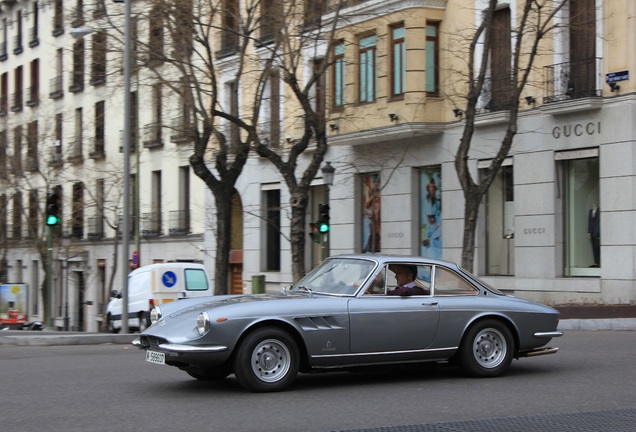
341	276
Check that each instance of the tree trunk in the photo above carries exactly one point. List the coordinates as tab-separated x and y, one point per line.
222	199
471	210
297	233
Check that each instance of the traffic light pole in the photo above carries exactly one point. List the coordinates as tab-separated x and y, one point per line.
49	276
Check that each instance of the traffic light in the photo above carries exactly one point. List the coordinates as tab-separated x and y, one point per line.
323	218
314	234
52	209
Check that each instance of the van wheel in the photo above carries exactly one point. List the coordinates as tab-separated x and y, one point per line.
111	326
143	323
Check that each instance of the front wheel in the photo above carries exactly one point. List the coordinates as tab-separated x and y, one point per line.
267	360
487	349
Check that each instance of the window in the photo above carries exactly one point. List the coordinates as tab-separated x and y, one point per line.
58	18
3	222
500	228
152	220
229	32
271	16
77	74
56	151
152	138
32	146
272	229
4	94
368	70
313	12
448	283
3	155
32	231
233	129
196	280
56	90
98	144
77	223
17	215
96	223
3	43
18	48
371	201
431	212
76	147
339	82
35	41
180	219
398	61
182	38
17	151
500	67
582	68
272	104
320	90
155	38
16	104
34	90
100	9
98	68
432	58
78	14
58	191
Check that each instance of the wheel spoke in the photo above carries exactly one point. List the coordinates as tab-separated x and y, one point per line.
271	360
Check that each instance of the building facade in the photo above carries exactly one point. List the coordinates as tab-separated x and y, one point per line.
61	131
556	226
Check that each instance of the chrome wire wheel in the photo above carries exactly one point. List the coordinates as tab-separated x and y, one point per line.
490	348
271	360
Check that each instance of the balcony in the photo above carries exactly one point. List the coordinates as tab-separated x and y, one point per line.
56	159
3	51
179	223
151	224
3	106
152	136
56	88
95	228
573	80
181	131
31	163
34	97
16	101
17	44
77	82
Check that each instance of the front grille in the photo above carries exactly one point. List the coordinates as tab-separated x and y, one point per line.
152	341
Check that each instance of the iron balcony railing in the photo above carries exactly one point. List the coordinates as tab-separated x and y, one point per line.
573	80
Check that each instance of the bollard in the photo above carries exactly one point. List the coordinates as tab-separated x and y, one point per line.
258	284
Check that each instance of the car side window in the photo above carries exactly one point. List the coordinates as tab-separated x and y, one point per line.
195	280
448	283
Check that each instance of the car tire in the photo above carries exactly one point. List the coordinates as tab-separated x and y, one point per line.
267	360
487	349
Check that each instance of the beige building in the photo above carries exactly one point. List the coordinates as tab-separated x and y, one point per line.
396	114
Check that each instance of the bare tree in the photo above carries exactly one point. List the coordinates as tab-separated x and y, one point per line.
535	20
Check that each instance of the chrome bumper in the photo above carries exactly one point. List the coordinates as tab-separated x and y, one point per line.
548	334
180	348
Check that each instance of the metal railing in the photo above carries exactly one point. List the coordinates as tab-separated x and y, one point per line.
573	80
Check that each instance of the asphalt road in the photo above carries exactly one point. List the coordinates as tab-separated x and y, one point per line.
111	387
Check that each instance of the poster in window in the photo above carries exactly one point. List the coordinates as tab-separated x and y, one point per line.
431	213
371	206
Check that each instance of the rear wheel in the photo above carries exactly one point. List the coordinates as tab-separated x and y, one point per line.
267	360
487	349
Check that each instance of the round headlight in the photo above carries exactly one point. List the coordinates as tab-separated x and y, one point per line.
203	323
155	314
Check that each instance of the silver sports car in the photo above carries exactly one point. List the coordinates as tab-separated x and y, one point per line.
350	311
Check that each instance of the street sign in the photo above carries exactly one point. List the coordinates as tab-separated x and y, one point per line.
617	76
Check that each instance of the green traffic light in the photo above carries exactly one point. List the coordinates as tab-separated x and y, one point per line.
52	220
323	228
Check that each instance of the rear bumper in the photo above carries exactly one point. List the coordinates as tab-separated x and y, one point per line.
548	334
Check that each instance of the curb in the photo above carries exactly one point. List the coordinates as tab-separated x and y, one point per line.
35	339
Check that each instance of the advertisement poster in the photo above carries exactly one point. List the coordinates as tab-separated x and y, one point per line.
13	304
371	206
431	213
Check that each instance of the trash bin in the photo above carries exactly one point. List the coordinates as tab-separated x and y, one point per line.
258	284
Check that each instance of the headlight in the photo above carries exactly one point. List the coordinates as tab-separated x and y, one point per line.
155	314
203	323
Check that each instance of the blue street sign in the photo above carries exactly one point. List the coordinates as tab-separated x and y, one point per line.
617	76
169	279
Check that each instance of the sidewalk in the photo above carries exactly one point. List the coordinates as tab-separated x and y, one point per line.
618	317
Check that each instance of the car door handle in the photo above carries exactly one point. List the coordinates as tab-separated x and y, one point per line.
431	303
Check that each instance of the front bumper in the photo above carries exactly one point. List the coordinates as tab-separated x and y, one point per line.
179	348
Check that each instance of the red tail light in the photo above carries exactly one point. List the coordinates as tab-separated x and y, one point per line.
151	304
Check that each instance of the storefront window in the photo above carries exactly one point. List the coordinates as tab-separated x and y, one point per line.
582	217
500	227
371	206
431	213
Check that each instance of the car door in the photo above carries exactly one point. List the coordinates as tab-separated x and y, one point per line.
380	323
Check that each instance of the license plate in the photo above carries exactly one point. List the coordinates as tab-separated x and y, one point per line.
156	357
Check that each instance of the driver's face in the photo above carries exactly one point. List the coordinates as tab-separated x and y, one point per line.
402	277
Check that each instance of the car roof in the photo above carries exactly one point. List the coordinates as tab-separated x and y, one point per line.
411	259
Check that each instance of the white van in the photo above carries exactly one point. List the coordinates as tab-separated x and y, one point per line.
153	285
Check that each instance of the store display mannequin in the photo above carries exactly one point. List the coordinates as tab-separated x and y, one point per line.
594	233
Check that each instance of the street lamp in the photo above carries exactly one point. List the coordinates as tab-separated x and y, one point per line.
328	172
125	235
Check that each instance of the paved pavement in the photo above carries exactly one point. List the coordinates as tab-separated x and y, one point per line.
47	337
